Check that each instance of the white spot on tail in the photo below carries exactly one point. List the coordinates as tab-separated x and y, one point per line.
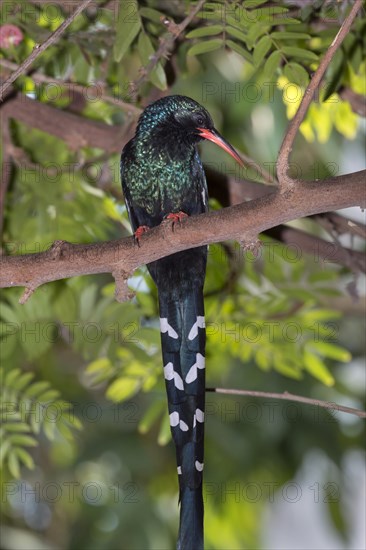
179	470
174	421
170	374
165	327
199	416
183	426
199	466
199	364
200	323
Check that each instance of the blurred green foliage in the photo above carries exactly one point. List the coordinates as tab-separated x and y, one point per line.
91	367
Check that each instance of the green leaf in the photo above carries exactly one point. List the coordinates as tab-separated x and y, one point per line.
65	431
335	74
331	350
234	22
244	352
100	370
206	15
149	382
13	464
23	381
253	3
73	421
36	389
315	366
254	32
232	31
36	420
269	11
286	367
288	35
296	74
320	315
4	449
205	47
23	440
318	276
302	53
328	291
274	21
101	364
49	395
210	30
16	427
24	457
49	428
152	14
146	50
240	50
123	388
127	27
272	63
261	49
11	376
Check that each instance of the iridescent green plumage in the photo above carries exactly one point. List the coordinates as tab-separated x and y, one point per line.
161	163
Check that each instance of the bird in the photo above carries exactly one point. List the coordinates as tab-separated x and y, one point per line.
163	179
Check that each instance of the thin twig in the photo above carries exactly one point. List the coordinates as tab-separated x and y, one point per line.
291	397
286	183
321	250
39	48
331	221
165	47
264	174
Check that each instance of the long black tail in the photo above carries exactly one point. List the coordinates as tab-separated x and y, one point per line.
183	340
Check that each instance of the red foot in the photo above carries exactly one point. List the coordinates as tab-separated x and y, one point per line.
176	217
140	231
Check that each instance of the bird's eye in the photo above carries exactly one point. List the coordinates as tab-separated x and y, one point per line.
200	120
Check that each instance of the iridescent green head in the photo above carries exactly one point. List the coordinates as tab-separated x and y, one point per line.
175	122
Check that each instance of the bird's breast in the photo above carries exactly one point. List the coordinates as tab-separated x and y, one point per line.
162	187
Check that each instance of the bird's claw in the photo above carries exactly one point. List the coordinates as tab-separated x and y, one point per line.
176	217
139	232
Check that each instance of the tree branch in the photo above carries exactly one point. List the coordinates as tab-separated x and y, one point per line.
291	397
330	252
286	183
331	221
230	191
39	48
76	131
242	222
